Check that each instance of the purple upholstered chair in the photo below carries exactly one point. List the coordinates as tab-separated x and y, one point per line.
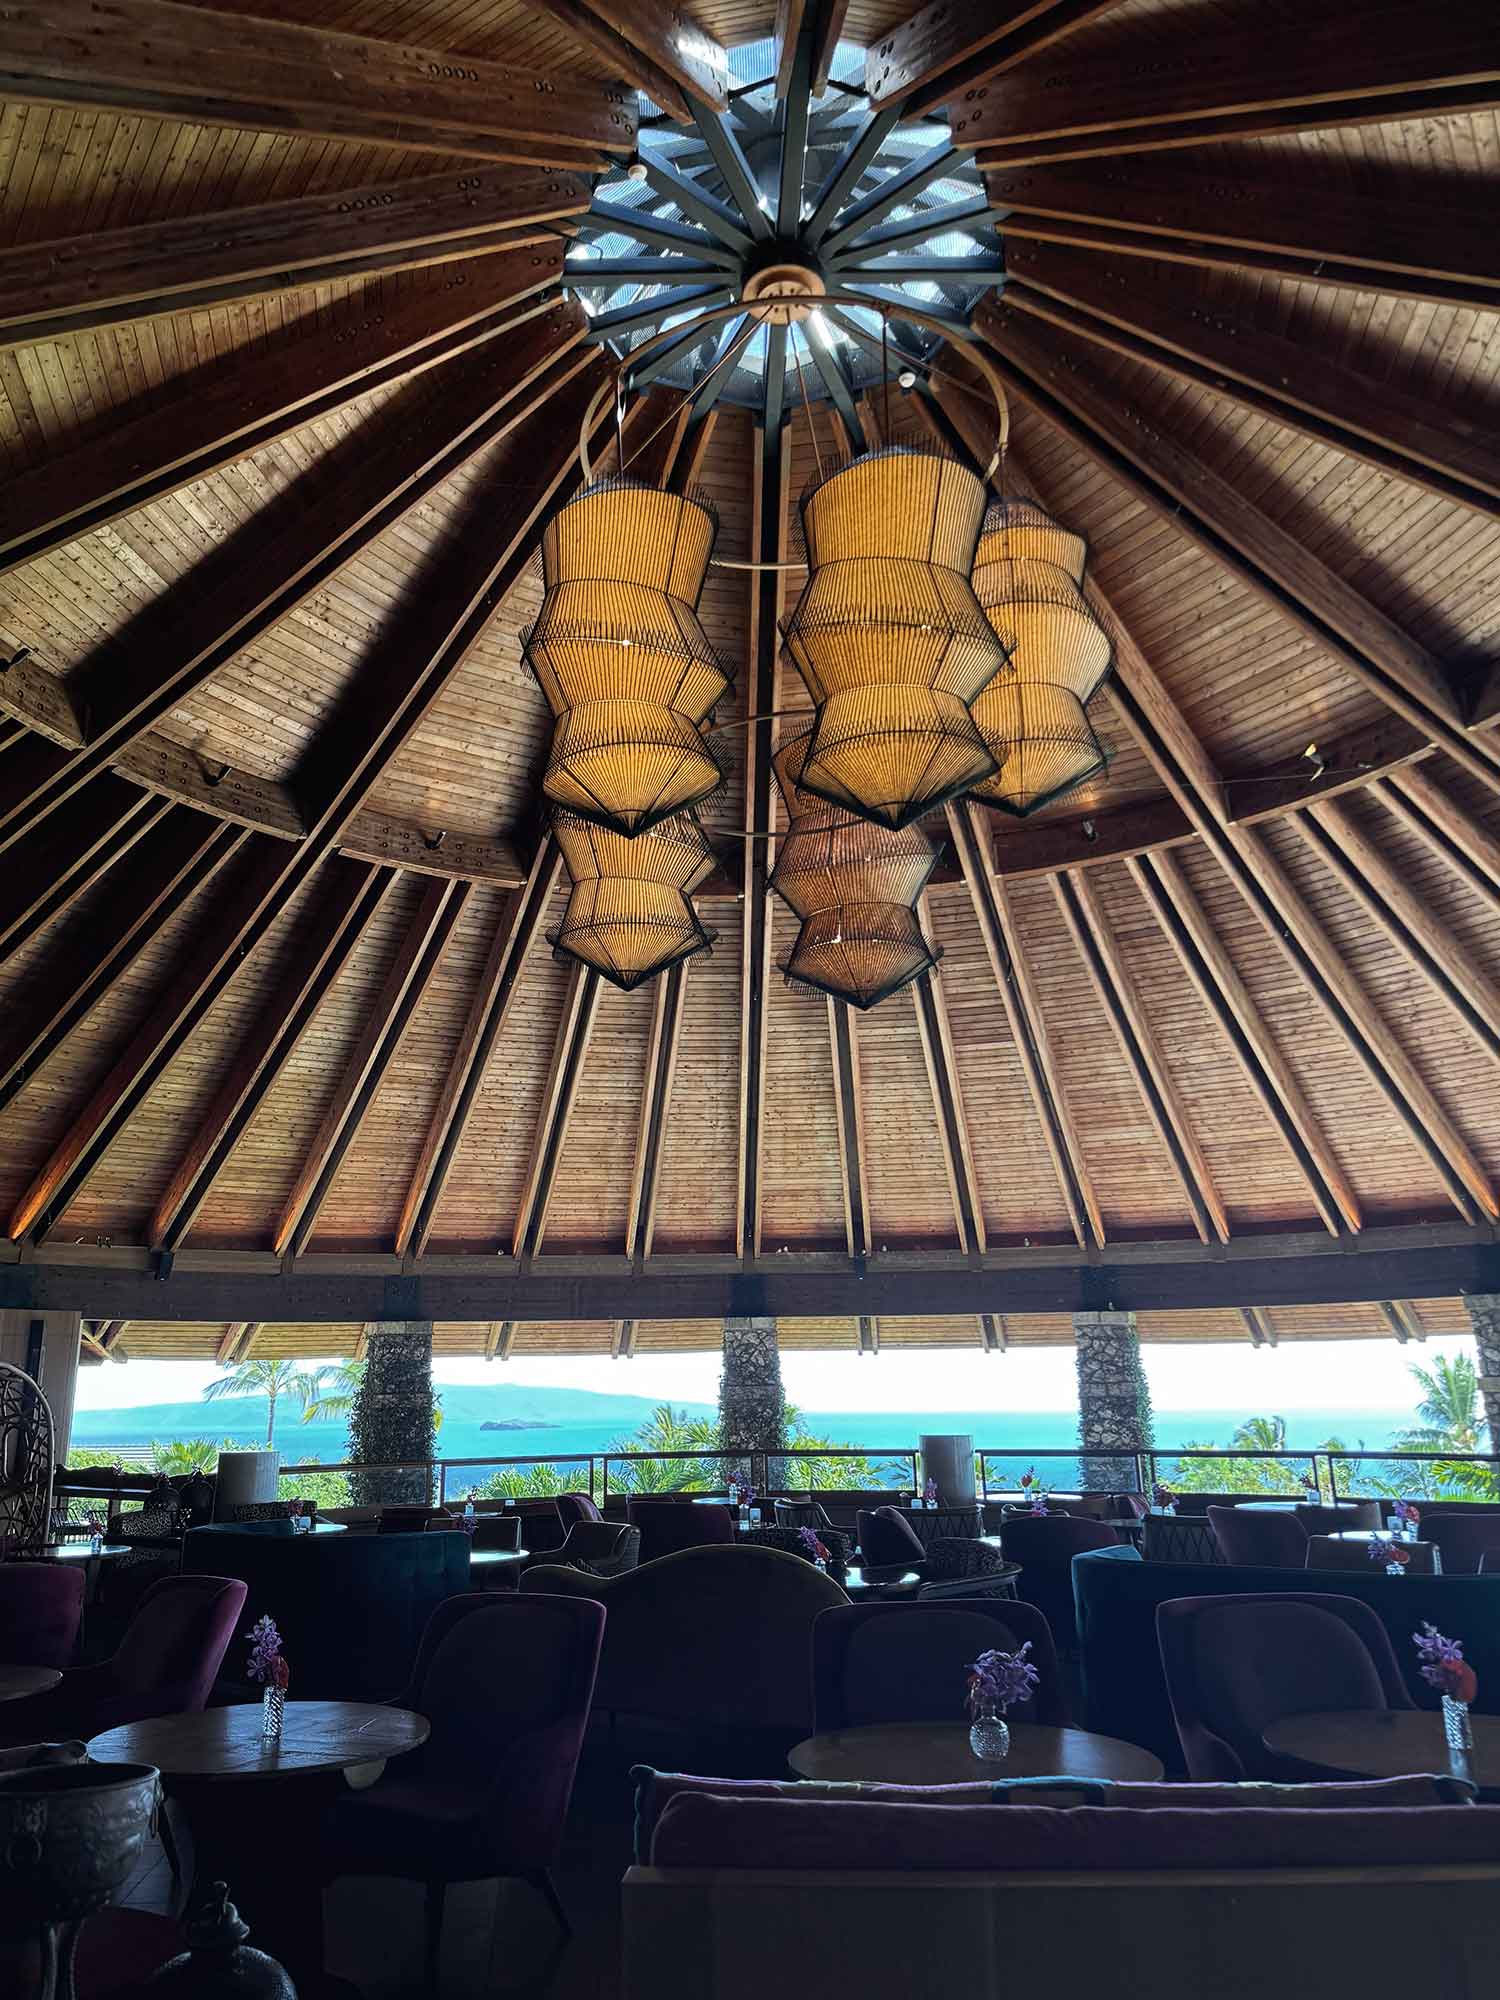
1045	1545
1259	1539
669	1525
905	1662
1461	1539
1320	1520
166	1662
41	1607
886	1541
1235	1665
576	1507
506	1683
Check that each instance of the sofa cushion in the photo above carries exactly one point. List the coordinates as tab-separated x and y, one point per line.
714	1830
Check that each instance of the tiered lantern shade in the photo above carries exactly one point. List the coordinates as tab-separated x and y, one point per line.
890	637
628	914
855	886
1027	575
620	653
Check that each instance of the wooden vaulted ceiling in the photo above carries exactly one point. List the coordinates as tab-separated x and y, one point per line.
287	386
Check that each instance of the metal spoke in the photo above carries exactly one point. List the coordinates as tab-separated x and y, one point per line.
794	140
651	312
828	365
972	270
662	231
934	165
847	175
665	357
714	216
607	271
739	181
975	214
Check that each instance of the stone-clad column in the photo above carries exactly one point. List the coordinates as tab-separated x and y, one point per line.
1484	1317
391	1418
752	1407
1114	1403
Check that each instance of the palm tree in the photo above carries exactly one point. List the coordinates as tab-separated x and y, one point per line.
1260	1434
184	1455
271	1379
1452	1417
334	1391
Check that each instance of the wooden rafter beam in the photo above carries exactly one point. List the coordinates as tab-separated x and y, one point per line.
867	1333
848	1106
246	584
483	1027
1216	979
942	49
499	1340
1328	765
941	1064
622	1340
1439	248
1421	804
196	426
1328	67
354	894
565	1072
233	1333
213	68
1061	383
662	43
667	1011
994	1337
247	1344
386	1021
48	873
1138	314
1023	1014
829	17
1115	985
790	16
1259	1325
174	862
78	284
1245	857
1045	846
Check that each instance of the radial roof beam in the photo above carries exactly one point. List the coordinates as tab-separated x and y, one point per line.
941	1064
48	873
660	50
194	427
233	1334
1280	79
355	893
1437	248
897	189
484	1025
1062	385
846	174
386	1021
213	68
668	1004
1144	319
1259	1325
1403	1319
605	273
249	582
661	232
793	113
1112	981
895	238
715	216
943	49
848	1103
736	172
565	1073
993	1335
79	284
1463	841
642	314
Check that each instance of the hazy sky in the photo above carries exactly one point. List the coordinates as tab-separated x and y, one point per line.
1336	1375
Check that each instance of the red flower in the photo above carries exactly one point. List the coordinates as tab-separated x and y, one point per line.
281	1673
1463	1682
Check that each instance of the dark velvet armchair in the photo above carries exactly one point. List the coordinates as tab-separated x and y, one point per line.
905	1662
886	1541
1251	1536
1045	1545
670	1525
41	1608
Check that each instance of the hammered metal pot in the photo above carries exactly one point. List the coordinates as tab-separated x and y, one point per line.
70	1838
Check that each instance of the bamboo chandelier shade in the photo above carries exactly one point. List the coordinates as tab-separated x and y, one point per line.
1027	575
854	885
627	914
889	636
622	658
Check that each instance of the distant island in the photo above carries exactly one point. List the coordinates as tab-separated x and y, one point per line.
519	1424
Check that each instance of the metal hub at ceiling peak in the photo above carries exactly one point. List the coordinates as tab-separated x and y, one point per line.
801	196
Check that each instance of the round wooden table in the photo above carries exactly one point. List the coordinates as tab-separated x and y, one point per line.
1387	1743
255	1807
18	1682
938	1753
76	1552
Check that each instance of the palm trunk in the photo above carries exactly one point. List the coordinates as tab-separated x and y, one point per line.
270	1418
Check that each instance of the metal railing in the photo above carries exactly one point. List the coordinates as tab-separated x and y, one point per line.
1415	1475
1053	1458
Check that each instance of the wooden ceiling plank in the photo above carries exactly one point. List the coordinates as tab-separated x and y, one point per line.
1112	981
569	1054
671	43
936	1033
169	61
1415	796
1337	838
843	1039
1141	317
669	1003
944	49
1215	977
249	582
79	284
48	875
385	1023
195	427
1250	864
354	895
178	858
1342	68
483	1026
1028	1032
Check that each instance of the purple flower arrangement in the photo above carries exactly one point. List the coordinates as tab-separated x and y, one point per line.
1163	1497
930	1493
266	1663
1384	1550
999	1680
813	1545
1407	1513
747	1496
1443	1664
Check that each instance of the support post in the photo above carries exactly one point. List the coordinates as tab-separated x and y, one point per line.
1484	1317
57	1333
752	1404
1114	1402
391	1420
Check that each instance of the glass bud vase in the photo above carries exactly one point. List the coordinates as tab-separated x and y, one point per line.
272	1714
1456	1725
989	1733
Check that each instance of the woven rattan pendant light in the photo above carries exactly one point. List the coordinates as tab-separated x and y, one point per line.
628	914
855	886
1027	575
889	636
620	654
